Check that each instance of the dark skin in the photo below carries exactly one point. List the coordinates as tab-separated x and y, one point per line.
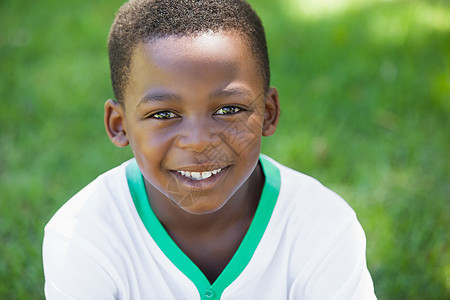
213	239
194	114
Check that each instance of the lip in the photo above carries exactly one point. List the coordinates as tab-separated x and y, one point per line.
199	185
199	168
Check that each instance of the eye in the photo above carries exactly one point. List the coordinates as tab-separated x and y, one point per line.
228	110
163	115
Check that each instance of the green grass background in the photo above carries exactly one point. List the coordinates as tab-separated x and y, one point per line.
365	92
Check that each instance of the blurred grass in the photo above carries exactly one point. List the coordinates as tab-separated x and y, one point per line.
365	91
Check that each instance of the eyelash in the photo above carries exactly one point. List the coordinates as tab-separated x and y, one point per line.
234	108
163	115
167	115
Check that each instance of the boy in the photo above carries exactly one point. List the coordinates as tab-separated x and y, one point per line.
199	213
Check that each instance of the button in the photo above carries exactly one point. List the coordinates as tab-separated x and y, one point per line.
209	294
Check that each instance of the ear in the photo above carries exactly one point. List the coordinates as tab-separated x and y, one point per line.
115	123
271	113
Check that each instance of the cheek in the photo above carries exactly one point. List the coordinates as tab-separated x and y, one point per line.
149	145
150	137
243	135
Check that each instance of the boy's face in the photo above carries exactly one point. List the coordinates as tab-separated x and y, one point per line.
194	113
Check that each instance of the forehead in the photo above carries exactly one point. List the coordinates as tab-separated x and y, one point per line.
206	57
214	47
214	44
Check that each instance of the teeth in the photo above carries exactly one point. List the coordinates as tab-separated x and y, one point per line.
196	175
206	174
199	175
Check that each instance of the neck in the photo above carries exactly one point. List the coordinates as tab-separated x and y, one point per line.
240	208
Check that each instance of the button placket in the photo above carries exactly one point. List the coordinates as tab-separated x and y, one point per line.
209	294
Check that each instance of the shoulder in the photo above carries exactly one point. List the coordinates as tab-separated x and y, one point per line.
82	240
93	219
311	218
320	238
305	195
95	200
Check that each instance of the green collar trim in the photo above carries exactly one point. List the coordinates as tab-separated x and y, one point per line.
243	254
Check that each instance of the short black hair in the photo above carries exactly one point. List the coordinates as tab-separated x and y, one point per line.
139	21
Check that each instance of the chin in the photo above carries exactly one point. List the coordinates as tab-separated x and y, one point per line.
199	209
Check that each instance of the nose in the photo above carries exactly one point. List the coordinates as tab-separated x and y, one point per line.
198	135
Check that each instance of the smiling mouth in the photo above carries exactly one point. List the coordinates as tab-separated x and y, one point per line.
200	175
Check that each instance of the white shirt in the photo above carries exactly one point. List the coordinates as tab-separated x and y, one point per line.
304	242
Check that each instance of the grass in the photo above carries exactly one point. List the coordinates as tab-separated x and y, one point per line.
365	93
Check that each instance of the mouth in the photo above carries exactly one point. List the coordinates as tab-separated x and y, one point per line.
200	175
196	179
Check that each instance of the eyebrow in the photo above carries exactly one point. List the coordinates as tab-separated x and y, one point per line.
158	96
234	91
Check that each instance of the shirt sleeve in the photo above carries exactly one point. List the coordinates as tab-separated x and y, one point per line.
75	270
340	272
